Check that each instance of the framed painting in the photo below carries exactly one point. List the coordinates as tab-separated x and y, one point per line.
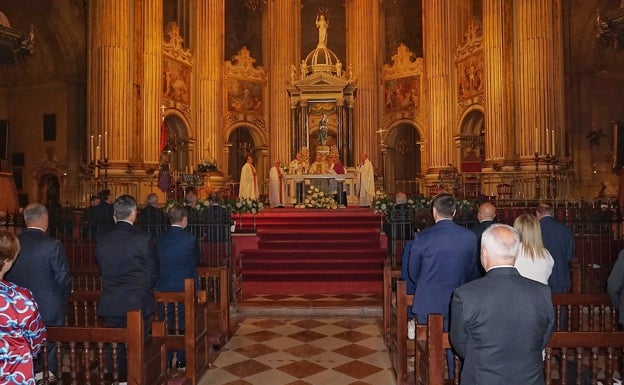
176	81
245	96
402	94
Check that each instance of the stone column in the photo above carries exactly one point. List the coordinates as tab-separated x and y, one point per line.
539	69
112	88
439	102
284	25
362	17
208	65
151	89
497	51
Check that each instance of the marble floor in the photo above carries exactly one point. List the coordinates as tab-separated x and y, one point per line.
329	343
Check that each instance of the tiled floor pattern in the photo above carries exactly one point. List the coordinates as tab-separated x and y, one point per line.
302	351
313	300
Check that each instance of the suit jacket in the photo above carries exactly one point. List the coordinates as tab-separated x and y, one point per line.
129	266
150	215
178	253
478	230
442	258
500	324
615	286
216	220
558	239
42	267
102	217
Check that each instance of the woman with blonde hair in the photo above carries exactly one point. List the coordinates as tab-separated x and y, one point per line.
533	260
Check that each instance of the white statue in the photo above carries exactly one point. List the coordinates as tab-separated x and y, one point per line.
322	25
338	68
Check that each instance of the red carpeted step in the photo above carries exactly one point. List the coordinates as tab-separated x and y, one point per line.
279	254
311	275
311	264
343	233
315	244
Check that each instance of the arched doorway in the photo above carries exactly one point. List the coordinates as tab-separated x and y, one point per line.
178	143
402	159
49	190
243	144
471	141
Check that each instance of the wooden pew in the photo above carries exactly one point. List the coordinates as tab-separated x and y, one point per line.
190	336
399	346
600	355
585	312
86	280
146	357
214	292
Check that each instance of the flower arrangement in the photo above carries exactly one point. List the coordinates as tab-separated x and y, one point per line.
319	199
208	165
381	202
243	206
199	205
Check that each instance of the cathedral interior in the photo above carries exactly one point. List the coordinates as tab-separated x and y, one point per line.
518	99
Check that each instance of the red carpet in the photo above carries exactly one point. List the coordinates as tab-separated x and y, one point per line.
314	251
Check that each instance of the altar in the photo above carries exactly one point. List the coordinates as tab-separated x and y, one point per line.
298	185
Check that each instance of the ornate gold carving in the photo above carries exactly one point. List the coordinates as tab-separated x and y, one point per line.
469	63
403	85
242	67
173	45
403	64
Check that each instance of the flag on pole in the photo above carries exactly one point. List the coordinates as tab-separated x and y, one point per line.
163	136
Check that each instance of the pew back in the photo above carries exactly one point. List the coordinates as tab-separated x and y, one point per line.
214	292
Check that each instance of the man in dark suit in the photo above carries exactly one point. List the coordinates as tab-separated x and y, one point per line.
102	214
559	241
442	258
217	220
485	216
42	267
129	267
151	218
501	323
178	252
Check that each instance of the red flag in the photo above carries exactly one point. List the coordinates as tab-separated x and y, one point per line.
163	136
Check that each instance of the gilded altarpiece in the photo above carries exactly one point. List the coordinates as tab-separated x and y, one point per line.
177	74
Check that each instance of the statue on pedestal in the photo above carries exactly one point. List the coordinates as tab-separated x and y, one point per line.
322	25
322	131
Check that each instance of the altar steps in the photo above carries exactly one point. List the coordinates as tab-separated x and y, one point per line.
339	250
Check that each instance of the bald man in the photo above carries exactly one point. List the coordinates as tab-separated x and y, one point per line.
485	216
501	323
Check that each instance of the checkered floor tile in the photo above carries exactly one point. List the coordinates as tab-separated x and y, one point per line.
299	351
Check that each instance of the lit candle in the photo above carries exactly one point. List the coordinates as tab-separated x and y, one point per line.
106	144
99	146
92	149
552	142
99	152
547	142
536	141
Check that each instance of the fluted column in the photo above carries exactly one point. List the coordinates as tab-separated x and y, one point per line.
207	106
437	61
538	74
363	55
497	48
152	84
284	26
112	90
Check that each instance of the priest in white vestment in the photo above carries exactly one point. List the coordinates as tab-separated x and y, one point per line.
365	183
248	181
277	187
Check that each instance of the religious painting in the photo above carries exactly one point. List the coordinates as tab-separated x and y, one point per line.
402	94
176	81
244	96
470	76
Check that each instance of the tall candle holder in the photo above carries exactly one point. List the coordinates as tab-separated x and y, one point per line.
537	177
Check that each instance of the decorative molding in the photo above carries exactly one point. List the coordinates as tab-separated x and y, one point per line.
402	84
472	41
403	64
469	64
173	45
242	67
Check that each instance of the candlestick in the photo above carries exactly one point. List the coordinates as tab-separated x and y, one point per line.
106	144
92	149
536	141
552	142
98	151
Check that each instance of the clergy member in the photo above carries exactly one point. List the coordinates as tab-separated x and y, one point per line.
319	166
365	183
298	165
277	190
248	181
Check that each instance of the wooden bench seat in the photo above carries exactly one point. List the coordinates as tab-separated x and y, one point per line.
214	292
190	336
82	353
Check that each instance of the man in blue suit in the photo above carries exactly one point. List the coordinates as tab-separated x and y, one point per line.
442	258
559	241
178	252
42	267
501	323
129	267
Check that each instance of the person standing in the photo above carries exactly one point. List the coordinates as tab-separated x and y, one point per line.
485	216
365	183
126	257
102	214
501	323
178	253
533	260
277	187
319	166
559	241
151	217
615	286
22	330
43	269
249	181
